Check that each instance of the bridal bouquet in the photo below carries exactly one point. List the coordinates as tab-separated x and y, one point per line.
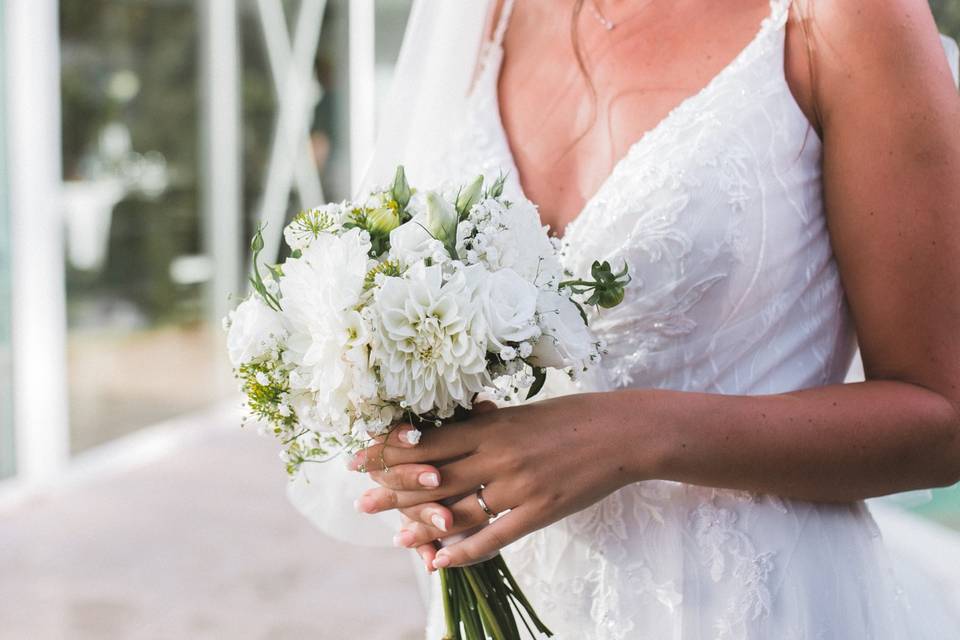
404	306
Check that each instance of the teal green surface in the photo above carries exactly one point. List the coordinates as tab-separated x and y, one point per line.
944	507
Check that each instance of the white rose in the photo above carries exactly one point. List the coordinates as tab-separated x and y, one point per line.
254	330
510	308
566	341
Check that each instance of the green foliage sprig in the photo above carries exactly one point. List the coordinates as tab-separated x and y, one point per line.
256	280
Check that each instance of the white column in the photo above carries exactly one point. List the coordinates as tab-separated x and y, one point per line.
32	60
362	87
221	152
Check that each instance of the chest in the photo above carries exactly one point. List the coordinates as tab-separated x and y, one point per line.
572	102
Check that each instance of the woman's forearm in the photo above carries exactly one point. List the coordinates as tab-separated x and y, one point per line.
835	443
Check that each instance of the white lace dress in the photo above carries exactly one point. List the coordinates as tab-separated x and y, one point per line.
719	213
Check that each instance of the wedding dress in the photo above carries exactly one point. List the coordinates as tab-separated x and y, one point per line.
718	211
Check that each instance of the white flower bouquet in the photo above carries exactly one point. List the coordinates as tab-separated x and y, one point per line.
403	307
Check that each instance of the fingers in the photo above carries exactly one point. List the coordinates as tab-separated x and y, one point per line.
458	478
427	553
484	406
447	443
434	522
489	540
431	514
408	477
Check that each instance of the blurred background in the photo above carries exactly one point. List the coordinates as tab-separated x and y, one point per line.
142	141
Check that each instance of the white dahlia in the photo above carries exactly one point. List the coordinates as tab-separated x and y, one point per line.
430	339
331	379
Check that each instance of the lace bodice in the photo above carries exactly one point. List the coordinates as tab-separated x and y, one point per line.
718	211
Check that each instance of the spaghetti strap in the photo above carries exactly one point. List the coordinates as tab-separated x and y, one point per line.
502	22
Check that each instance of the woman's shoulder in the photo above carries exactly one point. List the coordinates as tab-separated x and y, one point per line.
857	49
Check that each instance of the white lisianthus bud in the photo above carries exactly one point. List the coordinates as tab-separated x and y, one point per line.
441	220
470	195
508	353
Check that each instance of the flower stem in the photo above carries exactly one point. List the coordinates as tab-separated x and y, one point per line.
449	605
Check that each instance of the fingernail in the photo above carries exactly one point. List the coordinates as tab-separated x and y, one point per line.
439	522
411	437
403	539
442	560
362	504
429	479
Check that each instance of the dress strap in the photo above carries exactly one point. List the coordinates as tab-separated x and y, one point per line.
502	22
780	11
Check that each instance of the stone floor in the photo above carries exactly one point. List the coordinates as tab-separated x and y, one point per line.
200	543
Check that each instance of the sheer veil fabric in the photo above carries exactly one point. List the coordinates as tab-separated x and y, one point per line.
718	211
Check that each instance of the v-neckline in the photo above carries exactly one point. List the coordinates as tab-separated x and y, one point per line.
682	106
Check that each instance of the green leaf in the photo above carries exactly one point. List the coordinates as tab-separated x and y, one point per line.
539	378
496	189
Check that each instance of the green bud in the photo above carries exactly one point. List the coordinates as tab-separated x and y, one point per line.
469	196
400	191
256	244
383	220
610	297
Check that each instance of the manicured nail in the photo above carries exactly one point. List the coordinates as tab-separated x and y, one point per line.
439	522
362	504
411	437
429	479
442	560
426	563
403	539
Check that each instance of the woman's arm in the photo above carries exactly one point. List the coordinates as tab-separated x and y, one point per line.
890	117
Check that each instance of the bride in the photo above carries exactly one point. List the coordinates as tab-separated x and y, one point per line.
781	179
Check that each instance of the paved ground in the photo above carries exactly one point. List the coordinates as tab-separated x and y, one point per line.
198	544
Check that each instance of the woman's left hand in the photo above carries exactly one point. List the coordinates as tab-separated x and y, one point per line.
540	461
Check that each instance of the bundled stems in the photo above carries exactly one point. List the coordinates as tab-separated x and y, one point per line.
479	603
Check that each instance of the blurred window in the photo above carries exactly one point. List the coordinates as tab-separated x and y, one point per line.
143	345
140	346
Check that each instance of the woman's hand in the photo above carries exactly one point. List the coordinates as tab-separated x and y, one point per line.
541	461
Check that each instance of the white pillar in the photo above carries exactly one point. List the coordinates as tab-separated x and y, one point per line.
362	87
220	136
32	61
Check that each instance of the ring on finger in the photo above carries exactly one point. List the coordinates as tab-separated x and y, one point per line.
483	503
